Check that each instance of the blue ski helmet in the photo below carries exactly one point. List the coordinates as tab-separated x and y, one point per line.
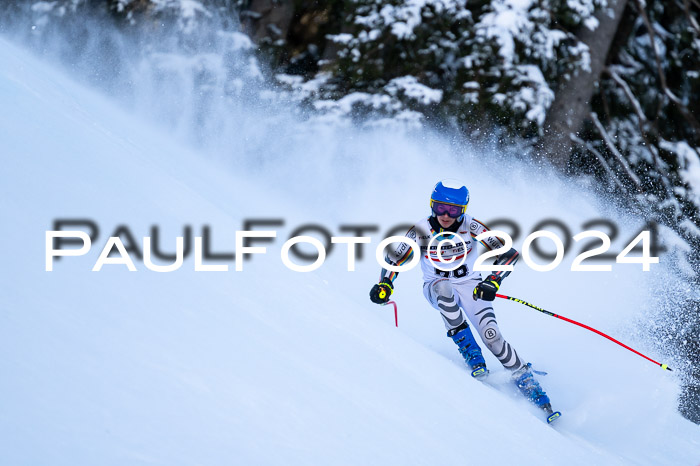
450	192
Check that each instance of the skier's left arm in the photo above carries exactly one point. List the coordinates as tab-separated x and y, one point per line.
488	288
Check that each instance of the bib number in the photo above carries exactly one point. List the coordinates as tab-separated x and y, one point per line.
459	272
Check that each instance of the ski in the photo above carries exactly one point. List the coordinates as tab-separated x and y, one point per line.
551	414
480	373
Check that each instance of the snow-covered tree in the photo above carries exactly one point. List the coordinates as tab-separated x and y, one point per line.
474	64
643	134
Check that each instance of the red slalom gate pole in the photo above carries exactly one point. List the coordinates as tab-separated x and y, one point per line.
396	311
566	319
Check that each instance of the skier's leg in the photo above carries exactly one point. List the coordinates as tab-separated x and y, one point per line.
530	387
441	296
483	318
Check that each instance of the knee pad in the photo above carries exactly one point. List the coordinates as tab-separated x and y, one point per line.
442	288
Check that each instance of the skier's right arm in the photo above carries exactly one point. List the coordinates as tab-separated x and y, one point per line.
400	255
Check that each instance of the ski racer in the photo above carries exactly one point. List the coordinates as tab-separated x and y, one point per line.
460	295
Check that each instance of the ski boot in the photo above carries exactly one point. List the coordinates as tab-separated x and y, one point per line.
469	350
531	389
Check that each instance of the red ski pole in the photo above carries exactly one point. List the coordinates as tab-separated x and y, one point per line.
396	311
663	366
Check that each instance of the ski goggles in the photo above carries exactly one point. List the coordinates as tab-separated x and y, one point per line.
454	211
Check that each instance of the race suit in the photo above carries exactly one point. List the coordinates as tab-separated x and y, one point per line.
450	291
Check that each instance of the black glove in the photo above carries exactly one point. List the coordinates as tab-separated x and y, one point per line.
487	289
380	292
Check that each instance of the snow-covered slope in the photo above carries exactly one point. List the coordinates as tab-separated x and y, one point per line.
269	366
